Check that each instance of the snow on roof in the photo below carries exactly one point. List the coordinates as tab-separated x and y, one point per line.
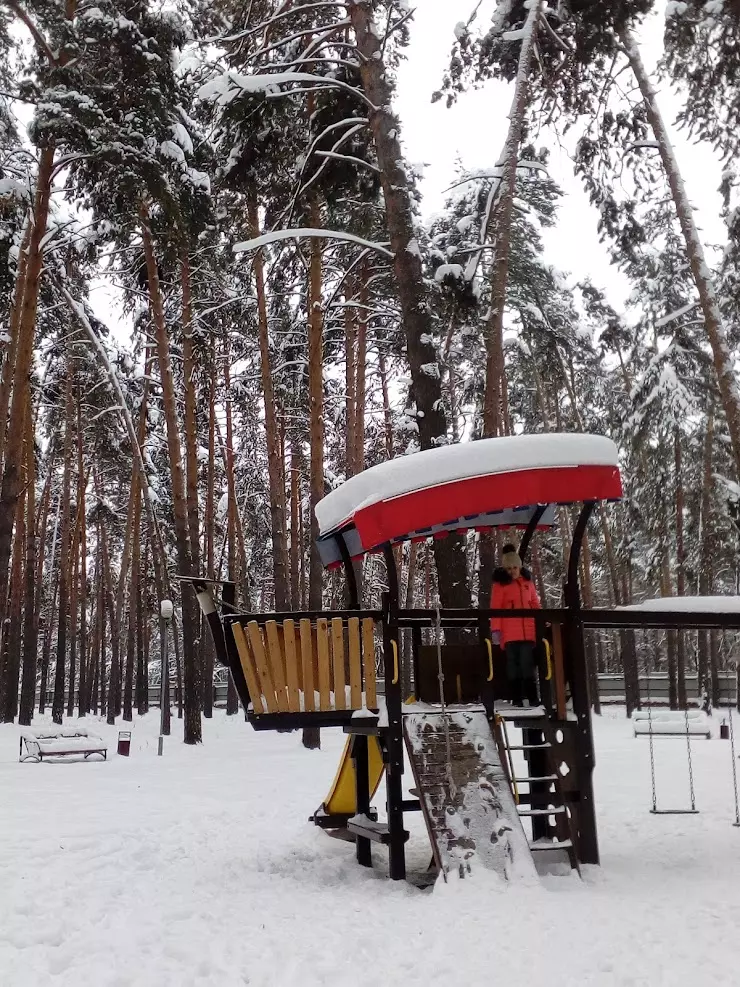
491	483
466	460
688	604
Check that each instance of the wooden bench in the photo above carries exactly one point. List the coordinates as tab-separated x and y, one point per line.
308	666
60	742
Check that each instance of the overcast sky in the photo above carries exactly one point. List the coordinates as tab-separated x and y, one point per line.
475	128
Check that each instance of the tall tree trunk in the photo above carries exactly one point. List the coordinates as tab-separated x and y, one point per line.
192	730
191	422
714	666
665	589
275	468
387	416
680	571
133	598
715	330
30	615
311	735
11	645
590	642
359	430
705	549
423	359
209	532
12	479
350	384
115	637
498	224
316	406
142	663
6	376
295	526
46	648
82	593
57	710
74	571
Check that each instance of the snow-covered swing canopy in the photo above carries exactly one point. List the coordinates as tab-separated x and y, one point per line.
491	483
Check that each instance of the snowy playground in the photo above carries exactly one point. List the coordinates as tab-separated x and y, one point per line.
201	868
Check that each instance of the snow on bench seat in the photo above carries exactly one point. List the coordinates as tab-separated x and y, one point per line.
667	714
60	742
672	728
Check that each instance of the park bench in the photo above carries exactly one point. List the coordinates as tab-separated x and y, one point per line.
60	742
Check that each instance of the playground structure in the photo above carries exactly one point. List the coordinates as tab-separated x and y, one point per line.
318	669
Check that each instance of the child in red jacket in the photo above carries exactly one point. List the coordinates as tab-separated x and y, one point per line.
513	589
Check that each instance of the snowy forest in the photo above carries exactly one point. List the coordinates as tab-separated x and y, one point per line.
234	173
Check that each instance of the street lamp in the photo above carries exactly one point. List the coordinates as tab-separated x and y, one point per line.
166	610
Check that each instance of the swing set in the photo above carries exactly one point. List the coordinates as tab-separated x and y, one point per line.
318	668
682	723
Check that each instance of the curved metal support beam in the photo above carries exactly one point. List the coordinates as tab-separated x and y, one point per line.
349	572
390	564
531	528
572	592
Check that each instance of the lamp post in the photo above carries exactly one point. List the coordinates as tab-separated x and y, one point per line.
165	610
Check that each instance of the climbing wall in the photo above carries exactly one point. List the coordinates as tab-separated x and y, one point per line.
469	810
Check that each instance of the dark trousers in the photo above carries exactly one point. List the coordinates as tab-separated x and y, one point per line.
522	672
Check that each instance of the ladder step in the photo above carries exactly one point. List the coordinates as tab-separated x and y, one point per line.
529	747
540	845
378	832
555	811
542	778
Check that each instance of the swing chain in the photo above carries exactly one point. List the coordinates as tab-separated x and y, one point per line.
734	767
691	766
650	738
441	677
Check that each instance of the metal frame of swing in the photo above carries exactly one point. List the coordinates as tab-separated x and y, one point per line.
655	811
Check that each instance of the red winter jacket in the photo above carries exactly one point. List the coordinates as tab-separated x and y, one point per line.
513	594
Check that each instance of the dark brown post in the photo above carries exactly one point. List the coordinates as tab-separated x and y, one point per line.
588	844
394	765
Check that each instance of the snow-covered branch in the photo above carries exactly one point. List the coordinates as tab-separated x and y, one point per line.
226	87
305	233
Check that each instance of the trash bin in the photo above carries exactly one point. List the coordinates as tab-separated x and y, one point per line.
724	730
124	742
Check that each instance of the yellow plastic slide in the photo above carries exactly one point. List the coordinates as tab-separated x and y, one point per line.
341	797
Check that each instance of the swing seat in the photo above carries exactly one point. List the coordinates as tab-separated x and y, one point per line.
671	728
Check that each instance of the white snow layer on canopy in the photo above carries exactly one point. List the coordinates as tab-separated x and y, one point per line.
689	604
485	457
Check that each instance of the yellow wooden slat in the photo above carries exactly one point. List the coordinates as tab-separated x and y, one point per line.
368	662
263	667
337	650
307	663
291	666
248	667
277	665
322	648
355	663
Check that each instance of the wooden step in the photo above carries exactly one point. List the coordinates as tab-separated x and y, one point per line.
556	811
539	845
528	747
378	832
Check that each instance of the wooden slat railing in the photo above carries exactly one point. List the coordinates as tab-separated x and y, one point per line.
317	667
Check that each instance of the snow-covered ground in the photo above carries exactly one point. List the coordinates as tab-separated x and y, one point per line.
200	868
